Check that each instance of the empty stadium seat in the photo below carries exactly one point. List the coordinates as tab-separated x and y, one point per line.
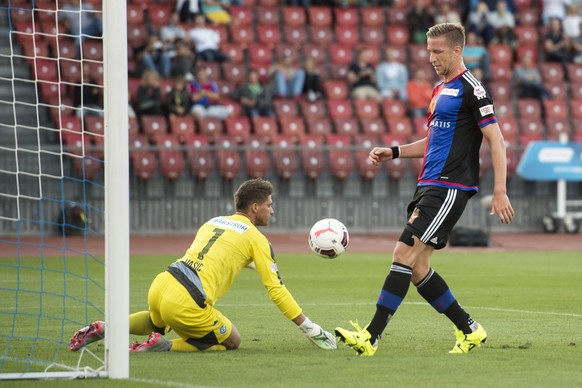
395	168
285	158
135	14
268	34
399	126
267	16
312	109
45	69
373	126
319	16
526	35
320	36
501	54
556	127
143	162
392	108
347	17
529	108
399	35
229	161
339	109
531	128
182	126
504	108
366	109
364	144
318	126
340	54
312	157
338	71
87	167
256	157
260	53
153	126
243	15
372	16
243	35
346	126
211	127
94	125
574	71
555	109
397	16
373	35
172	162
159	15
335	89
285	107
199	155
318	53
347	36
558	90
292	127
234	51
500	72
51	90
552	72
295	35
234	72
341	162
238	128
137	35
265	127
529	50
294	16
418	54
419	126
509	129
501	91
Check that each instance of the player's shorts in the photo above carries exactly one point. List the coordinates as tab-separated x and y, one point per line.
433	213
172	305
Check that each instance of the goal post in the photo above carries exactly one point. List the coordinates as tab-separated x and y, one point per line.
64	188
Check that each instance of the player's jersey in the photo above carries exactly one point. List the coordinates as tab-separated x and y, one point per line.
457	112
223	247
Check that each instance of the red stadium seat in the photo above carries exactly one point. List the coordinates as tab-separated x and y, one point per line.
285	107
234	51
395	168
531	129
397	17
317	52
312	155
399	126
558	90
229	161
346	126
335	89
312	109
419	126
238	128
501	54
552	72
529	50
200	158
529	108
320	36
234	72
364	144
294	16
295	35
256	157
522	5
45	70
172	162
292	127
137	35
347	36
526	35
94	125
339	71
418	54
367	109
268	34
528	17
339	109
153	126
577	130
503	109
392	108
182	126
500	72
372	16
509	129
347	17
144	165
243	15
574	71
211	127
373	35
269	3
243	35
501	91
159	15
554	109
319	16
373	126
318	126
135	14
71	123
285	157
341	162
267	16
50	91
576	108
265	127
556	127
340	54
260	53
398	35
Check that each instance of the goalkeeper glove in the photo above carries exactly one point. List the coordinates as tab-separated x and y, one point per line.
321	338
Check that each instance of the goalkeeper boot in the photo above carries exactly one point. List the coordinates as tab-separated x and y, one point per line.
467	342
359	340
155	343
88	334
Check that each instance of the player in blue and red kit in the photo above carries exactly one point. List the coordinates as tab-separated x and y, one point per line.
460	114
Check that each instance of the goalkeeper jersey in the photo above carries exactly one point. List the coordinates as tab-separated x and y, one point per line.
223	247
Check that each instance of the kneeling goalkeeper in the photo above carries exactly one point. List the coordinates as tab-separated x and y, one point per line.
182	298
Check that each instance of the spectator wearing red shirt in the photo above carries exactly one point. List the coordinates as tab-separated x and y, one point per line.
205	97
419	91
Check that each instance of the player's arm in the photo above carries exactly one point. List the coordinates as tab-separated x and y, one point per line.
500	204
410	150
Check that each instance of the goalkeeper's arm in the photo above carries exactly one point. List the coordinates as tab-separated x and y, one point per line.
314	332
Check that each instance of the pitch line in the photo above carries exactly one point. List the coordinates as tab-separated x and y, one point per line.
165	383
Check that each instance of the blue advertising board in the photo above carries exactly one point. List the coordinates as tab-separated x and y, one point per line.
551	161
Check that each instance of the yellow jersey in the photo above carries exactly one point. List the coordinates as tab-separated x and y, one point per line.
224	246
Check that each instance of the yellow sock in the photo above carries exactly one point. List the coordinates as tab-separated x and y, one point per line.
140	323
180	345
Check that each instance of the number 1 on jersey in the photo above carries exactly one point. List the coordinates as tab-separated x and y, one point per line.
217	233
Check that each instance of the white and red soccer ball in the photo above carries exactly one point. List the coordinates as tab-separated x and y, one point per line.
328	238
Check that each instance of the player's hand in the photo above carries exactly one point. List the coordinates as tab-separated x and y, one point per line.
380	154
501	206
321	338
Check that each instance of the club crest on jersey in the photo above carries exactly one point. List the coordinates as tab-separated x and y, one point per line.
479	92
450	92
486	110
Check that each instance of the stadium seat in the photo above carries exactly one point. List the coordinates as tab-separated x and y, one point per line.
373	35
346	126
509	129
372	17
555	109
182	127
577	130
552	72
269	3
373	126
320	36
137	35
70	123
504	108
397	17
285	107
558	90
319	16
265	127
347	36
87	167
574	71
364	144
256	158
338	71
526	35
419	126
211	127
500	72
243	35
398	35
366	109
529	50
501	91
21	12
159	15
346	17
143	162
392	108
340	54
50	91
418	54
135	14
335	89
400	4
396	168
529	108
238	128
284	157
153	126
226	88
172	162
399	126
295	35
234	72
556	127
94	125
267	16
45	69
531	128
200	158
260	53
292	127
242	14
132	127
339	109
268	34
234	51
318	53
294	16
318	126
312	157
229	161
522	5
501	54
341	162
312	109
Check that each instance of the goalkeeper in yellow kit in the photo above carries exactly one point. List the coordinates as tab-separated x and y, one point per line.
182	298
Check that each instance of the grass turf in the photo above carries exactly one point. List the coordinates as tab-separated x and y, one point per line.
530	304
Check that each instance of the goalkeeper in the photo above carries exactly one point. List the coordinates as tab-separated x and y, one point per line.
183	297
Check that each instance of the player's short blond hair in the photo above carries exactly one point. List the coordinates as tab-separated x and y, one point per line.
453	32
252	191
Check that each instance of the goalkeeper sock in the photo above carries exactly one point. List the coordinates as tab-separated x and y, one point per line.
435	291
393	292
181	345
140	323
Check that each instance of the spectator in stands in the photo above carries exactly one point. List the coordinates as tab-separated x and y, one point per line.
362	78
148	100
155	57
187	9
297	3
528	79
554	9
173	31
479	22
183	61
206	96
419	19
80	24
392	76
572	22
556	43
445	14
576	46
87	95
312	87
207	42
475	55
179	99
215	11
419	93
503	23
287	77
256	99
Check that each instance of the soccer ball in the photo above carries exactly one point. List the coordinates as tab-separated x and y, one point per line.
328	238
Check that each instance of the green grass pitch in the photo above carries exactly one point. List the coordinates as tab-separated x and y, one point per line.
530	304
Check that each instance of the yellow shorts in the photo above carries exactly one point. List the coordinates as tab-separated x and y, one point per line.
170	304
218	17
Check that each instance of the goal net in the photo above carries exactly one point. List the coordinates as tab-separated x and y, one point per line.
64	260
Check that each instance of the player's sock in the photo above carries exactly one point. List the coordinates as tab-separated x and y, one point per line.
393	292
140	323
435	291
181	345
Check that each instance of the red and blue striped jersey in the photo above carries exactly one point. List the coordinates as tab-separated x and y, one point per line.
457	112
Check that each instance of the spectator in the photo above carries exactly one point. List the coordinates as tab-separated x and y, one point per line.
419	93
479	22
554	9
215	12
87	95
187	9
183	61
392	76
556	43
155	57
503	23
362	78
80	24
179	99
312	87
207	42
297	3
149	95
288	78
576	44
255	98
572	22
475	55
419	19
445	14
206	96
173	31
528	79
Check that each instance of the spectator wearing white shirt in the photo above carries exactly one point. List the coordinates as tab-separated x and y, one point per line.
503	23
391	77
207	42
554	9
572	22
173	30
